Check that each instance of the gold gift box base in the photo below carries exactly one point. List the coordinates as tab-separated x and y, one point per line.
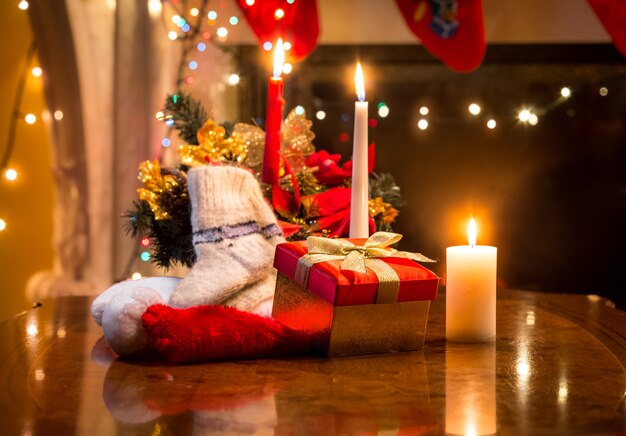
351	330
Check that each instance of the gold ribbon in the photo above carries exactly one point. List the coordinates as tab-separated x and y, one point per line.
358	258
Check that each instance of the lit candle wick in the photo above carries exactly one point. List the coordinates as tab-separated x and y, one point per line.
471	233
279	58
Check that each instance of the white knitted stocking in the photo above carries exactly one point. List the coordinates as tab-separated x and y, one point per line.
234	235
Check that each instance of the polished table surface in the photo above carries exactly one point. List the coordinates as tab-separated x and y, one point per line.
557	367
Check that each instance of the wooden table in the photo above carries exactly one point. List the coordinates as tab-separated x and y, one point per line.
556	368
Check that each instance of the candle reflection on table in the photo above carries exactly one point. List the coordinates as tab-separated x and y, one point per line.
471	389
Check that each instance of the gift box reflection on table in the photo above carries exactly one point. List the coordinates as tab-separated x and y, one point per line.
333	396
471	389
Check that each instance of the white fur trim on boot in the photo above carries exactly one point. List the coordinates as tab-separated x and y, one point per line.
163	285
121	319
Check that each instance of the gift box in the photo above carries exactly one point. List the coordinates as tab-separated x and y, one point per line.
355	296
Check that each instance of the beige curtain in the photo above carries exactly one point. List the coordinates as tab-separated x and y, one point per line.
109	66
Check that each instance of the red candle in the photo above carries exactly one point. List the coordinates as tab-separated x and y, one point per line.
274	118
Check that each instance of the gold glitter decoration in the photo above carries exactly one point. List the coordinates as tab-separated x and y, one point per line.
297	139
253	138
377	207
154	185
214	146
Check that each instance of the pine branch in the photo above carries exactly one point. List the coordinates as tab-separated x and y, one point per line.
188	114
383	185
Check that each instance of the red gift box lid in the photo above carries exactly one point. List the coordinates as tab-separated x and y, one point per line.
346	288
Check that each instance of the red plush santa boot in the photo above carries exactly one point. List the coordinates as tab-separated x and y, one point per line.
204	333
452	30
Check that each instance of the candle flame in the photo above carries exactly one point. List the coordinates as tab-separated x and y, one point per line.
359	82
471	232
279	58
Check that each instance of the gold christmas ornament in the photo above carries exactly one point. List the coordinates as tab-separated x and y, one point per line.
386	211
154	185
297	139
214	146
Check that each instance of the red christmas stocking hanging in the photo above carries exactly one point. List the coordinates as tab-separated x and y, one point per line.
452	30
297	24
612	14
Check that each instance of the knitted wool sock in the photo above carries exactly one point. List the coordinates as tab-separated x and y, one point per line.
234	235
256	297
204	333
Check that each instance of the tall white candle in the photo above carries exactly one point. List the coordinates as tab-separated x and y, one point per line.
471	291
359	226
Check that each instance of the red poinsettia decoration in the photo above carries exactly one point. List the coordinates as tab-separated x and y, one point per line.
331	209
329	171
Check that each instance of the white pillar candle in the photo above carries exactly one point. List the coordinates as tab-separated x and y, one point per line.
359	225
471	291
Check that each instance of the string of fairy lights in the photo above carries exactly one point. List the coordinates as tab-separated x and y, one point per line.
195	26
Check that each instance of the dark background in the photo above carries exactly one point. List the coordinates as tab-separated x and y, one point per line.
551	197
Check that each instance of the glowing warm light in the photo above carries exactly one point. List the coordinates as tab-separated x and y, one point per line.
222	33
279	13
10	174
58	115
279	58
533	119
286	46
23	5
471	232
424	110
32	330
154	7
474	109
30	118
383	111
523	115
523	369
287	68
36	71
470	429
3	225
136	276
61	332
359	82
320	115
40	375
159	115
172	35
422	124
145	241
233	79
566	92
491	124
194	12
530	317
250	2
604	91
175	19
563	391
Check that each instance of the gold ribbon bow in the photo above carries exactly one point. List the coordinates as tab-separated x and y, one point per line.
358	258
